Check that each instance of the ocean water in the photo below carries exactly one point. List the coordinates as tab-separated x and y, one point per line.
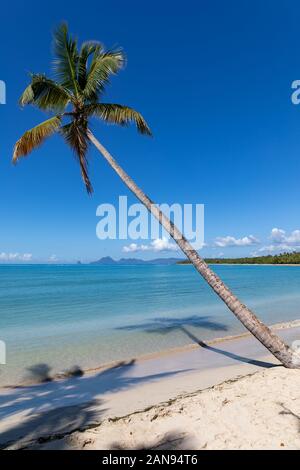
89	315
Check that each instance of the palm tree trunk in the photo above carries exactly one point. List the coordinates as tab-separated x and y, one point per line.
288	357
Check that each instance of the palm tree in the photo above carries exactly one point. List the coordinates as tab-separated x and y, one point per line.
75	96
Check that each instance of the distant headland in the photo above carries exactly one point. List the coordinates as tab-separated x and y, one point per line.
282	258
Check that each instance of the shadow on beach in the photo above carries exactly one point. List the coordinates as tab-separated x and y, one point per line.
165	325
58	407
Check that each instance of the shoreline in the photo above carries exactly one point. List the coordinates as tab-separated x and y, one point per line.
155	355
191	346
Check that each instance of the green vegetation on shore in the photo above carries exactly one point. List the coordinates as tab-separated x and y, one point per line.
282	258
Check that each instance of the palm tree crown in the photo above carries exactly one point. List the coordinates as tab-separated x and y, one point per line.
80	77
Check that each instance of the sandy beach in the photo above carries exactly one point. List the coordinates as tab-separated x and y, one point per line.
258	411
228	394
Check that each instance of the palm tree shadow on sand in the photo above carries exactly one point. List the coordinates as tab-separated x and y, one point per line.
165	325
231	355
54	408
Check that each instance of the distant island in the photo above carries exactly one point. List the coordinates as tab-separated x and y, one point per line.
108	261
282	258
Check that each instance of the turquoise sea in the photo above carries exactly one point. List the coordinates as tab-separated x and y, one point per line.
89	315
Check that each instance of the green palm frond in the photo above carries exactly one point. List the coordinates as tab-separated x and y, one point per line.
66	59
87	49
118	114
75	135
73	95
102	66
45	94
35	137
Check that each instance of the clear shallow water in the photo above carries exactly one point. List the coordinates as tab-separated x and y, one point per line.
89	315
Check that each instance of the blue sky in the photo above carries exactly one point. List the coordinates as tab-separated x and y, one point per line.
213	79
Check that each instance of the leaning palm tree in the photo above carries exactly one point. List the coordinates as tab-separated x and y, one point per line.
74	96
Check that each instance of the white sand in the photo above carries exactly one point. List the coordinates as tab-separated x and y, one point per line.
260	411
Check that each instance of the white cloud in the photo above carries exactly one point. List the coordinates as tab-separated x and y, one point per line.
132	248
163	244
280	236
53	258
27	257
280	242
232	241
15	256
157	245
275	249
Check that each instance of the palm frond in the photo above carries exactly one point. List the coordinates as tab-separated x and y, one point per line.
102	66
45	93
75	135
118	114
66	59
87	49
35	137
80	78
